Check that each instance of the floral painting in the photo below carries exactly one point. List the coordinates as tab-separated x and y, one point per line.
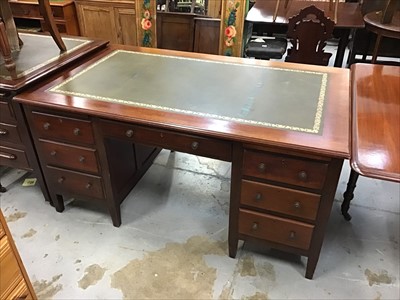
147	24
230	29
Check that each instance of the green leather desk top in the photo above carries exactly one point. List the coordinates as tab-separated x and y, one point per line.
37	51
262	96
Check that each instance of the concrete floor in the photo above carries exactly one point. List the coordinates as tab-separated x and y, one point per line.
172	243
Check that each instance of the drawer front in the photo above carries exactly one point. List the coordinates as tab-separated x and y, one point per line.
20	292
2	232
14	158
75	183
285	169
72	157
9	133
275	229
10	274
171	140
26	10
6	113
63	128
283	200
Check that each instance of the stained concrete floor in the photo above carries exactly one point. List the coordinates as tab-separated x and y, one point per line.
172	243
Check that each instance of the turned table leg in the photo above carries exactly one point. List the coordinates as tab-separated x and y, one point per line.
349	194
2	189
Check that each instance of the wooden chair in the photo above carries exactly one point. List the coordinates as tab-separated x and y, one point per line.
308	32
9	39
385	23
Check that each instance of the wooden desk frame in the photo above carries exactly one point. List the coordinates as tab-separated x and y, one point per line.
305	164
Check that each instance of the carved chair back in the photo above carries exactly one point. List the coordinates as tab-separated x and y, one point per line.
308	32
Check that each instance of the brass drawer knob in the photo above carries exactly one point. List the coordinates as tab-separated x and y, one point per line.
46	126
77	131
8	156
261	167
254	227
129	133
3	132
195	145
292	235
303	175
61	179
258	196
81	159
297	204
53	153
88	185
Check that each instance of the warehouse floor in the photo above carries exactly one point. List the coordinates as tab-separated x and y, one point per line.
172	243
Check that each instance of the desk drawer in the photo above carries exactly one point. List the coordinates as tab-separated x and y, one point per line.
196	145
283	200
275	229
7	113
62	128
11	275
12	157
26	10
286	169
9	133
75	183
69	156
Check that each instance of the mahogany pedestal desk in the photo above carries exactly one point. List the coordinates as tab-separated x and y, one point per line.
375	129
348	17
284	127
39	57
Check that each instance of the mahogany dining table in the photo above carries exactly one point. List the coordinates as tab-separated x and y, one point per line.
347	18
375	126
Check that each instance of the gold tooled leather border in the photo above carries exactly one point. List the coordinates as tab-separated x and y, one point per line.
317	119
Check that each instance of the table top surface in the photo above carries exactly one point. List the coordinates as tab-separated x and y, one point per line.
376	119
348	16
259	102
39	56
374	19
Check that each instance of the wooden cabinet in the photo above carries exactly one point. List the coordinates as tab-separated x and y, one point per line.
284	199
77	162
14	281
63	11
111	20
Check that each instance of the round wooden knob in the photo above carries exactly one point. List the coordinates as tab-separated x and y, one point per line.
258	196
195	145
297	204
53	153
302	175
254	226
46	126
88	185
129	133
261	167
3	132
81	159
292	235
77	131
61	180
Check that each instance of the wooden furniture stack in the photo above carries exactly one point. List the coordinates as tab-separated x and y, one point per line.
14	281
63	11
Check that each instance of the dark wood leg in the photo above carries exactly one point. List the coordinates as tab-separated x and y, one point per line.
58	203
343	41
6	50
45	9
2	189
311	265
349	194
